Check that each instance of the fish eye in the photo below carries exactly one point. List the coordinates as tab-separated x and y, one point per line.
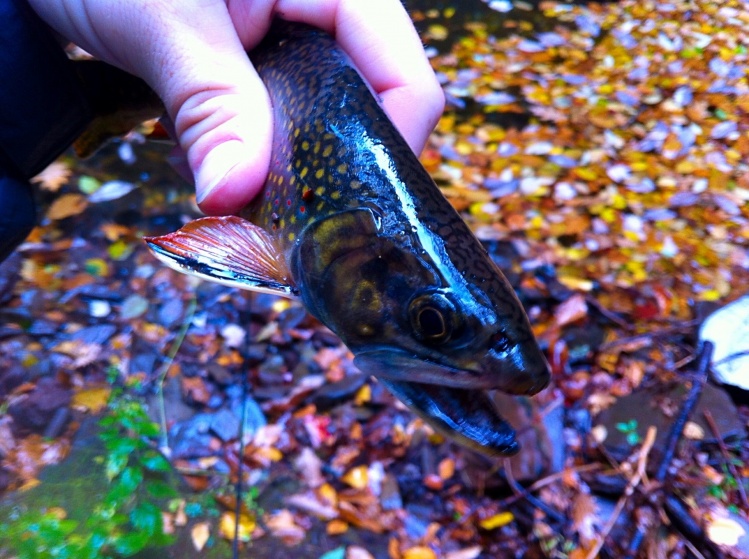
432	318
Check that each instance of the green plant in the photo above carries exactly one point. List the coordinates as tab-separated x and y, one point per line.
127	517
629	428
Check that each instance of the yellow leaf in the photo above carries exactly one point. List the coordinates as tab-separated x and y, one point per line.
92	399
67	205
419	552
356	477
497	521
200	534
363	395
228	524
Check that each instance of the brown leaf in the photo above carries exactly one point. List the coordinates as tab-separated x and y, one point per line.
67	205
573	309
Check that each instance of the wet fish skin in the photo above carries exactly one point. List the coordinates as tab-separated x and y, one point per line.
357	229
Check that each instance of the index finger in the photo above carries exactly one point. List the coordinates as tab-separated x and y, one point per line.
383	44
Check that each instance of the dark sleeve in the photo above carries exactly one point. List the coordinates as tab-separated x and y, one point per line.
42	110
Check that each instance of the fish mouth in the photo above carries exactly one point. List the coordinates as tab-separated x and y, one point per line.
518	378
467	416
455	401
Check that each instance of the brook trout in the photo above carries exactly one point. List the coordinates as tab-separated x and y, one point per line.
350	223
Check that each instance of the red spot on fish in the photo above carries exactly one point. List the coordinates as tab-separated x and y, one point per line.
288	202
307	194
302	209
276	202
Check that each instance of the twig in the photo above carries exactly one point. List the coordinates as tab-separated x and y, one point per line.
593	302
724	451
164	437
731	357
522	492
245	318
687	407
674	435
685	327
647	445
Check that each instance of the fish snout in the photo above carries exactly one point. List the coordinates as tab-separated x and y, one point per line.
522	371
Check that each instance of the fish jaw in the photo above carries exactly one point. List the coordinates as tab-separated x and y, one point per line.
467	416
521	373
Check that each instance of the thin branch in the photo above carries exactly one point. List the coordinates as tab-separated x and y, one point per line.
727	458
687	407
524	493
647	445
164	437
245	317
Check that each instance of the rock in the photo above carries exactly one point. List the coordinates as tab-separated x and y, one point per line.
644	408
540	434
225	425
191	438
34	412
97	334
331	394
10	379
728	330
390	497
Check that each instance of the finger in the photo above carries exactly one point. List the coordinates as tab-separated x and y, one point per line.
383	44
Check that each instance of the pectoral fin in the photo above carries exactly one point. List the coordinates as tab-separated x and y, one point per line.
227	250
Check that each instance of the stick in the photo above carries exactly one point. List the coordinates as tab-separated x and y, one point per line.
726	457
677	428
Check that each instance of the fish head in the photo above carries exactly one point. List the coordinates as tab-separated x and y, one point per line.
437	346
404	321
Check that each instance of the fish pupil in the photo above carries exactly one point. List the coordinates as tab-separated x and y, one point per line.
432	323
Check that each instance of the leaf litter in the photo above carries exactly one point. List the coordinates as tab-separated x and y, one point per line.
599	151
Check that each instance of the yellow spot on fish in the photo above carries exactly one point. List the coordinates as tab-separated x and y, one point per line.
327	151
342	168
335	195
303	172
319	191
355	185
316	150
296	132
291	236
292	181
288	168
305	145
319	173
320	206
292	220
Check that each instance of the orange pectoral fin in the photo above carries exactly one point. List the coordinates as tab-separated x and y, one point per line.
227	250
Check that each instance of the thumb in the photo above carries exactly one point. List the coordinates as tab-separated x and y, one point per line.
221	114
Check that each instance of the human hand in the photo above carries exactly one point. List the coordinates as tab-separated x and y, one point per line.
192	53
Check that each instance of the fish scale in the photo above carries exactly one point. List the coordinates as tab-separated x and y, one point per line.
351	223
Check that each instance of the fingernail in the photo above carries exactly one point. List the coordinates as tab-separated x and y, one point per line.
219	162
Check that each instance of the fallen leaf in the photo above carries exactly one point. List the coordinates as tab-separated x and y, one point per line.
496	520
53	177
91	399
572	310
228	524
67	205
200	534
